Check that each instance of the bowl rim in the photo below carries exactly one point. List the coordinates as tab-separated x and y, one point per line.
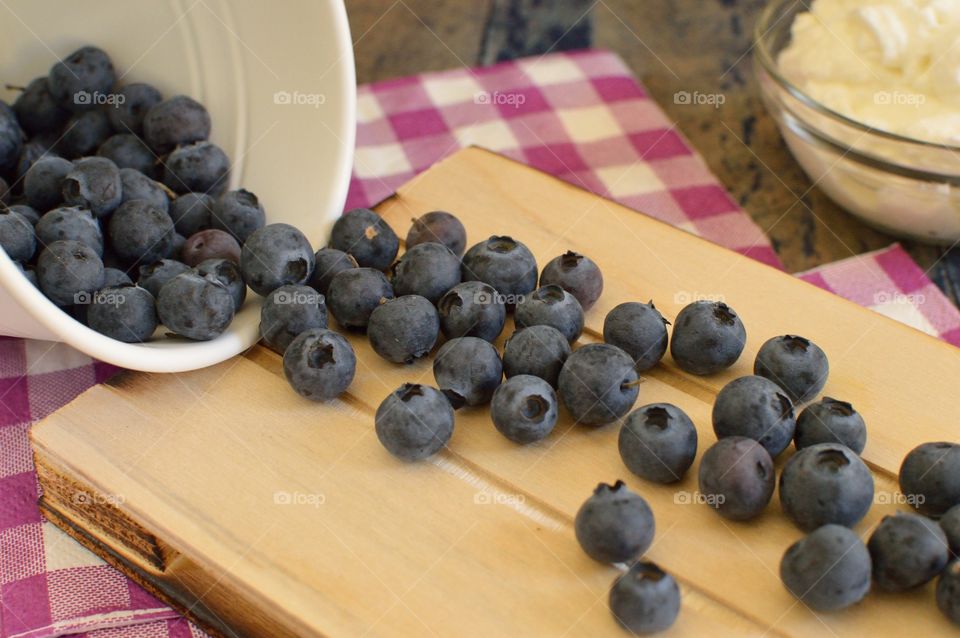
764	24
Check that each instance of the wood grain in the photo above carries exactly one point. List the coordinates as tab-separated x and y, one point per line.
283	511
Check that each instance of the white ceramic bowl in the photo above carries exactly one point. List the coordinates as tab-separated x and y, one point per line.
278	79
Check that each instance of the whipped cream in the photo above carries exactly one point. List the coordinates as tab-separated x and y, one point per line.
891	64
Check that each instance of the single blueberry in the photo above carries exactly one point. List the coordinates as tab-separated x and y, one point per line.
794	363
503	263
37	110
126	313
113	277
191	213
645	599
70	222
83	134
210	244
658	442
404	329
737	478
614	525
198	168
17	235
128	151
598	384
576	274
366	236
950	522
43	182
948	592
319	364
328	263
195	307
538	350
825	483
428	270
153	276
288	312
830	421
11	140
274	256
77	79
355	293
708	337
133	102
179	121
468	370
524	408
639	330
239	213
28	213
68	272
140	232
551	306
136	185
930	477
907	550
828	569
472	309
414	422
756	408
94	183
440	227
227	273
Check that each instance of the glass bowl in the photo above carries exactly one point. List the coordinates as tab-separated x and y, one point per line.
900	185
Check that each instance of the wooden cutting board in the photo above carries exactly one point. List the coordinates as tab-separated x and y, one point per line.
259	513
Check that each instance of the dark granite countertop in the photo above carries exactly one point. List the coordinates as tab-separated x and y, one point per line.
672	46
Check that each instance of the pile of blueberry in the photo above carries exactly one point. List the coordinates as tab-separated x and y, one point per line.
100	191
113	203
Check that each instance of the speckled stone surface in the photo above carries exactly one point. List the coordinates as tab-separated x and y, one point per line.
673	46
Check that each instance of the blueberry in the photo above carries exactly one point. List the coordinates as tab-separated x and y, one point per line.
191	213
84	134
177	246
175	122
414	422
128	151
126	313
428	270
639	330
153	276
274	256
658	442
505	264
440	227
794	363
645	599
830	421
948	592
551	306
68	269
524	408
113	277
26	212
94	184
195	307
737	478
825	483
37	111
930	477
133	103
756	408
540	351
70	222
598	384
907	550
239	213
289	311
950	522
136	185
708	337
74	80
16	235
43	182
468	370
140	232
614	525
199	168
227	273
210	244
328	263
367	237
472	309
355	293
828	569
404	329
319	364
576	274
11	141
34	150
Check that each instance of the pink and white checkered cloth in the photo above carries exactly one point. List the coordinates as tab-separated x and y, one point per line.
580	116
